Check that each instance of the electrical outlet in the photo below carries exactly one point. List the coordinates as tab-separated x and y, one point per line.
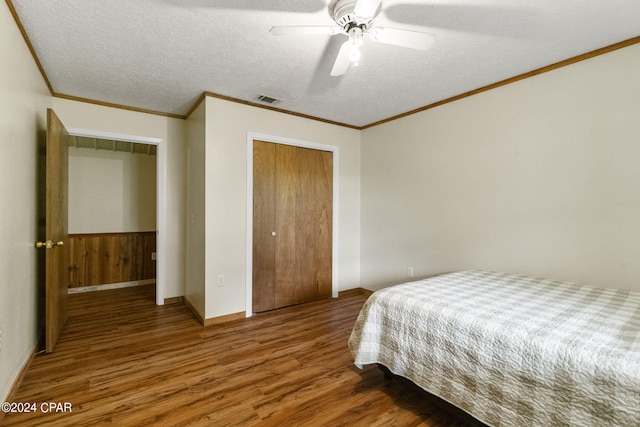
220	280
409	271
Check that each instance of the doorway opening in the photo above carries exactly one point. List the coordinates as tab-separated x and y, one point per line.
149	154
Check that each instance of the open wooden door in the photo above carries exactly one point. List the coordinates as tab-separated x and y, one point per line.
56	238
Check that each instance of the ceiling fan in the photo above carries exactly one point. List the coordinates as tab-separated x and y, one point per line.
354	18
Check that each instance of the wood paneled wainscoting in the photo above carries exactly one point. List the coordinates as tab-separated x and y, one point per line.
103	258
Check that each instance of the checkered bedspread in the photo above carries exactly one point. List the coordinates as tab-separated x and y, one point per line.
510	350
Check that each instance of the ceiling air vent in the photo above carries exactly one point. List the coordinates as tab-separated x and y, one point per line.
267	99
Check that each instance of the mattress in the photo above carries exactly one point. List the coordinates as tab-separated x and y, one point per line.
510	350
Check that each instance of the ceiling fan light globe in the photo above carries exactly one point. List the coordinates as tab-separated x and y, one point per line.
355	36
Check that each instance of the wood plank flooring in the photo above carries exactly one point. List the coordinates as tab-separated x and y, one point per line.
121	360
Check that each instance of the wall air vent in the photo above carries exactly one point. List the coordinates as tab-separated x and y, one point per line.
267	99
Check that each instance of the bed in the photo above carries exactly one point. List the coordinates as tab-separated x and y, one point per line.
510	350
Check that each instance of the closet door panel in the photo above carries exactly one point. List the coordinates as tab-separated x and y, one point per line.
285	219
324	231
264	185
306	226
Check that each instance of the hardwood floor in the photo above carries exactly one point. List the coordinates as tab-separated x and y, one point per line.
122	360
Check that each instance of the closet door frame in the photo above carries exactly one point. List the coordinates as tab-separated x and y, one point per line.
251	136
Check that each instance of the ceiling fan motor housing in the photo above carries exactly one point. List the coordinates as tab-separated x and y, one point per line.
342	11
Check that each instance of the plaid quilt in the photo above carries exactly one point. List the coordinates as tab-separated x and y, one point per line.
510	350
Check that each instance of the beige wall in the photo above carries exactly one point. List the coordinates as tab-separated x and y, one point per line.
171	131
539	177
111	192
24	98
195	261
227	125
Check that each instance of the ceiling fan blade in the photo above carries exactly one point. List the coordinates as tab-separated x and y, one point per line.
405	38
366	8
304	30
342	60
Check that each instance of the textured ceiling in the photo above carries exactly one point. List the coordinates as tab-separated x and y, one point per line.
162	55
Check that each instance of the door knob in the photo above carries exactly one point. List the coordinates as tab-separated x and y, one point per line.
273	233
49	244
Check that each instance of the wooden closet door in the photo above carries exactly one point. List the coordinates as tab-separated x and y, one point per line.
264	192
301	220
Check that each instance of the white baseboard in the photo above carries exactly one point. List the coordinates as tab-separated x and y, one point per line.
111	286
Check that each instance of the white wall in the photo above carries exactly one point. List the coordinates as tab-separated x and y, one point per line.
172	132
227	125
195	260
540	177
111	191
24	98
